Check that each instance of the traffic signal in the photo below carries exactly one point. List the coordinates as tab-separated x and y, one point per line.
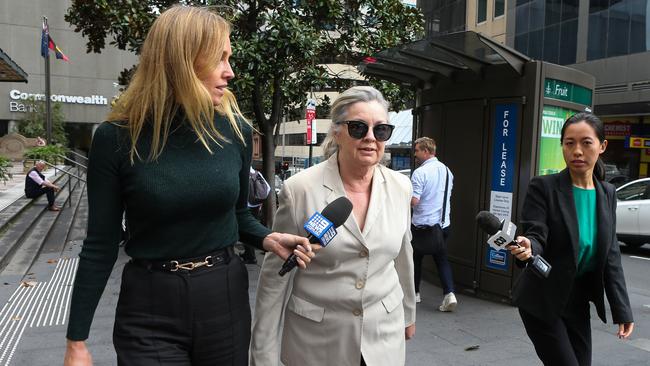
285	166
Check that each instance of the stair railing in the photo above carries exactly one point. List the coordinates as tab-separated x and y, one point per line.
69	183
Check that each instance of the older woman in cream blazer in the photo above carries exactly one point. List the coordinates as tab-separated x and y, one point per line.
355	303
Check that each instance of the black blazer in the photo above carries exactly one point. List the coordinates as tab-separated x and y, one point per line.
550	221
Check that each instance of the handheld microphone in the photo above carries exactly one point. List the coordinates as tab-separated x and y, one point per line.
502	235
321	228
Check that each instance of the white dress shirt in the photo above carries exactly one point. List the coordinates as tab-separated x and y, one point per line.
429	187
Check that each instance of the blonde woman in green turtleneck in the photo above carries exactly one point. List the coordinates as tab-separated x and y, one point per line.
175	159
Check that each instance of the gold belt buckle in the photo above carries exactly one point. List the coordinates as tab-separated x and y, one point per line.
189	266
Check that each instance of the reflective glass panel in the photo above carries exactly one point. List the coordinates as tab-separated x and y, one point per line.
568	42
597	41
552	43
619	29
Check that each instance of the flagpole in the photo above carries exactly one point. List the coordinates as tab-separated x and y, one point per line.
48	106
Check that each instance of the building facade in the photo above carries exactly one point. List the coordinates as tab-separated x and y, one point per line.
84	86
609	39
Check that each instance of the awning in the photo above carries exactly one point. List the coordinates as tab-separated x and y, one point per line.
422	62
9	70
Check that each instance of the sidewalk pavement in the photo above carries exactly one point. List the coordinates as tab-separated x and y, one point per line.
13	189
481	332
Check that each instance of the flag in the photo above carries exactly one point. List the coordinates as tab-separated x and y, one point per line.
48	44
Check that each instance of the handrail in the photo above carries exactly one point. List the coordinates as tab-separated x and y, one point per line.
72	161
64	171
77	154
69	183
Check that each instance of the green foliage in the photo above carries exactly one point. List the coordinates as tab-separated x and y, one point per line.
33	123
278	46
5	164
49	153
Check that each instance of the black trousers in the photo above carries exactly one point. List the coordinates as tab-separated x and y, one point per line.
199	317
442	263
49	192
565	341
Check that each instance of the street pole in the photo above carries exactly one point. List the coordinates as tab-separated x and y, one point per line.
311	148
48	106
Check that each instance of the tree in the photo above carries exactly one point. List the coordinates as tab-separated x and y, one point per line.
278	47
33	122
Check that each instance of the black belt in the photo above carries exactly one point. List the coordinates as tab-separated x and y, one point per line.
221	256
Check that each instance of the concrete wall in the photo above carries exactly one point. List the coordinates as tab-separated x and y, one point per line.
85	75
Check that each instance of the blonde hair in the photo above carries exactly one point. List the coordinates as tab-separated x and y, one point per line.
340	109
184	44
426	143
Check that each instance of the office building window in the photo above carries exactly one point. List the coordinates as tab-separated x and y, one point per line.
443	16
568	42
499	7
552	44
618	27
481	11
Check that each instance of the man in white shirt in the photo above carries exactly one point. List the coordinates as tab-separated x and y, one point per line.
429	181
36	185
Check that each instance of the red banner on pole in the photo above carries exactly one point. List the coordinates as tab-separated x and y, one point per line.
310	115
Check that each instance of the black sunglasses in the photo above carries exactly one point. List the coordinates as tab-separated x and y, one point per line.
359	130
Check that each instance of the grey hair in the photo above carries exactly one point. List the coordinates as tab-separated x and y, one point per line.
340	109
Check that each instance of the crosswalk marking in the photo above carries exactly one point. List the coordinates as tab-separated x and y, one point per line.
38	304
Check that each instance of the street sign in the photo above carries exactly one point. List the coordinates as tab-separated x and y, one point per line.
638	142
310	116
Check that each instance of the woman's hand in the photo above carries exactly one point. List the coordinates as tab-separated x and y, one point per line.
523	251
77	354
625	330
409	332
283	245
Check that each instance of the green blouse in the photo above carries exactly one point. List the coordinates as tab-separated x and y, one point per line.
585	201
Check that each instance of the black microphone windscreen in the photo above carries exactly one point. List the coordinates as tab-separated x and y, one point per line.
488	222
338	211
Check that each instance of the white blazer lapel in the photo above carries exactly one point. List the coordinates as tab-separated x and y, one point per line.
376	200
332	181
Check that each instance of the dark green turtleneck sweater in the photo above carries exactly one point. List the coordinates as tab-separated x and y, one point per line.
187	203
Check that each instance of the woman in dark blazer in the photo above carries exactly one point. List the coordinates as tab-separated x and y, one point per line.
569	218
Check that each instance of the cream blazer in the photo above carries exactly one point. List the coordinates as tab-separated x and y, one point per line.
357	295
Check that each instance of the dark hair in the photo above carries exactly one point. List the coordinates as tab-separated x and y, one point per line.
598	127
